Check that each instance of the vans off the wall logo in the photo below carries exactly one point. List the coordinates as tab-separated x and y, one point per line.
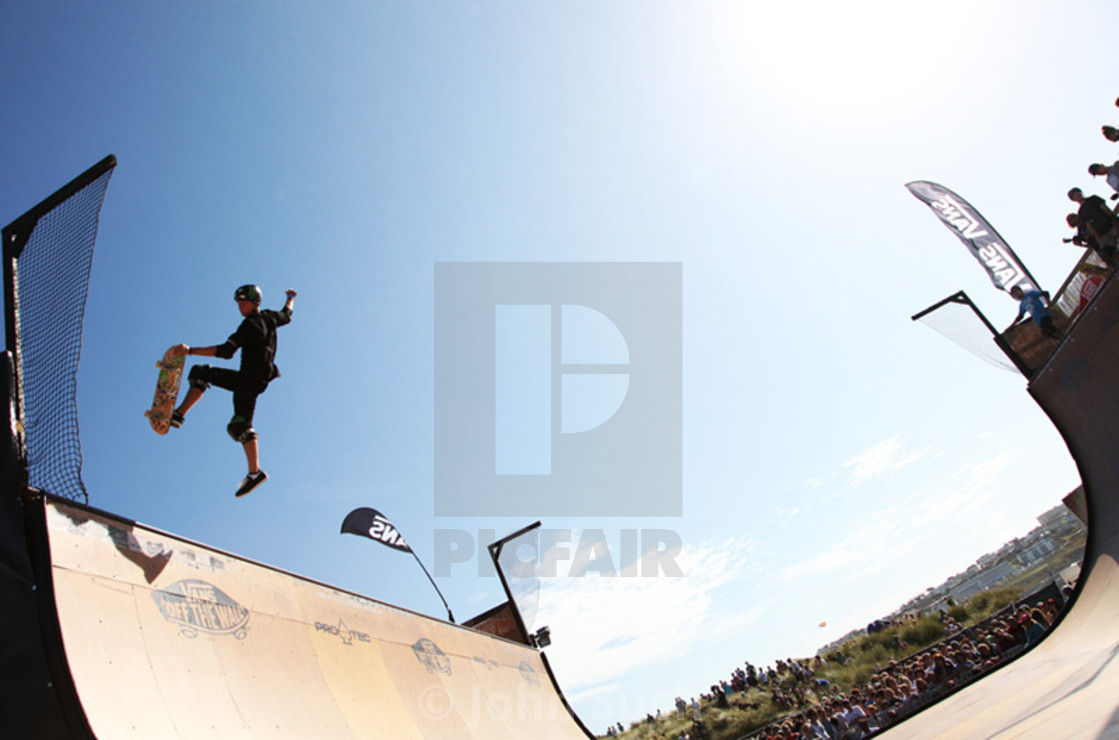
196	606
434	659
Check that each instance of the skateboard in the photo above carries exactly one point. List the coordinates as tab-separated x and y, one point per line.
166	391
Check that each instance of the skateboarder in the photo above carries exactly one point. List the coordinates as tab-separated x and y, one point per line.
256	338
1032	303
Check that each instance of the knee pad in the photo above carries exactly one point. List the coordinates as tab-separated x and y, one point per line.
240	430
197	377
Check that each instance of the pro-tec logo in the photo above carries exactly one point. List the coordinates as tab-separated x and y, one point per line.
558	389
197	606
997	258
344	633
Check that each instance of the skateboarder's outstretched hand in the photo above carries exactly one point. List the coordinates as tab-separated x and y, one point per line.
186	349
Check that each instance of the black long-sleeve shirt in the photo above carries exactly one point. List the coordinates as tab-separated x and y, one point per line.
256	338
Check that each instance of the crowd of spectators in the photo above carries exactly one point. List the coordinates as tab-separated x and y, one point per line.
1095	222
1096	227
820	710
901	688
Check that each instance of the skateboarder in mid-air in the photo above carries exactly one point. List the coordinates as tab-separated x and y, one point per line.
256	338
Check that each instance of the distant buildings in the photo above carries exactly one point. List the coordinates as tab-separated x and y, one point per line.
1056	527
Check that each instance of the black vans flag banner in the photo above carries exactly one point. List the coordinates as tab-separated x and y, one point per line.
1002	265
373	524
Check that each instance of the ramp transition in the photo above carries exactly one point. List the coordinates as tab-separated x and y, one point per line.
1068	686
163	637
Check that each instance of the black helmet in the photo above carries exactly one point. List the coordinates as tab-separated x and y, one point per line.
248	293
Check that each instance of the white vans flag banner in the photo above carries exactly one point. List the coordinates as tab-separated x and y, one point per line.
1002	265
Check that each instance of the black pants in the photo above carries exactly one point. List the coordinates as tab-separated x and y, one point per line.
1047	327
245	390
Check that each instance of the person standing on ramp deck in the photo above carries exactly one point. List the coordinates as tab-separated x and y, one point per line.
256	338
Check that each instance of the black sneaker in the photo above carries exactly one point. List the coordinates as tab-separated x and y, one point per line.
176	419
251	481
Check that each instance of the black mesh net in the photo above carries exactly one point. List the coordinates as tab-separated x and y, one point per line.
51	276
957	319
519	561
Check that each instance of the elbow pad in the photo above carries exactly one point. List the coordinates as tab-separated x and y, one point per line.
225	351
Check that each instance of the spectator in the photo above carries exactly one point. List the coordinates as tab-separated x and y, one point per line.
1082	238
1051	611
1109	172
813	728
1097	218
852	711
1035	626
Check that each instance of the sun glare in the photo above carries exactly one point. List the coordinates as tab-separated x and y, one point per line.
858	59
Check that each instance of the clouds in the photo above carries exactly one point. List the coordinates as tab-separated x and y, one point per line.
637	621
910	515
891	455
888	455
858	553
905	495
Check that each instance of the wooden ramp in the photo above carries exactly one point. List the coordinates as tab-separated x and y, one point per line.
167	638
1067	687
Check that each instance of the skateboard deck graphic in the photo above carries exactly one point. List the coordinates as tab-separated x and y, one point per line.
166	391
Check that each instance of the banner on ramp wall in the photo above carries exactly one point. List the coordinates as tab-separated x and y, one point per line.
1002	265
1081	286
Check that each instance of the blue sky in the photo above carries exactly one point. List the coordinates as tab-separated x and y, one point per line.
837	458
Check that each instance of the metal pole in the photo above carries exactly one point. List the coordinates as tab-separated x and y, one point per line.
495	553
450	616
